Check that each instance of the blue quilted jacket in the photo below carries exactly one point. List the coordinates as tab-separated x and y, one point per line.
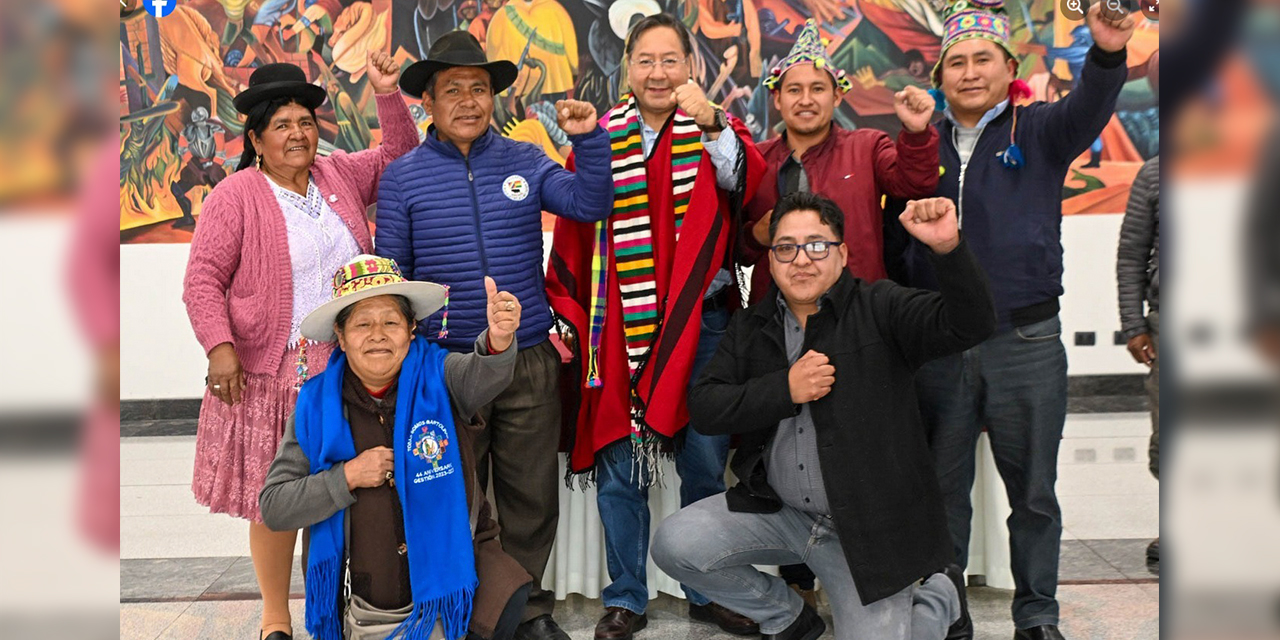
453	219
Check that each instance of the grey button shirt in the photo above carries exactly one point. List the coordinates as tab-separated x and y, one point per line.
792	458
793	177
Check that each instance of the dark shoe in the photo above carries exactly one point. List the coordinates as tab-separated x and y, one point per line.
806	627
276	635
542	627
1042	632
728	621
962	629
620	624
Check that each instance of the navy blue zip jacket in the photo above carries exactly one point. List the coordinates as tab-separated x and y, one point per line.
452	220
1012	218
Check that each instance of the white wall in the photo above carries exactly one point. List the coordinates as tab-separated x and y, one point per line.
161	358
1089	302
47	365
1207	290
159	355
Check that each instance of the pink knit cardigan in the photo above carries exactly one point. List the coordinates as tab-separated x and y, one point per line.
239	281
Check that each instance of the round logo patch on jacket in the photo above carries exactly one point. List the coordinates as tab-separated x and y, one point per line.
515	187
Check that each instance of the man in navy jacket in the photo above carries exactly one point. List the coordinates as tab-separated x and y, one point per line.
467	203
1004	166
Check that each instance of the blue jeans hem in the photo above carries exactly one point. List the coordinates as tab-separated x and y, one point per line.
700	600
774	632
1035	621
625	605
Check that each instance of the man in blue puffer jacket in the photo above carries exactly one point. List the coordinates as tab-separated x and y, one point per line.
467	203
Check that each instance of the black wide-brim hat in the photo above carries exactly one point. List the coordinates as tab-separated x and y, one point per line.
279	80
456	49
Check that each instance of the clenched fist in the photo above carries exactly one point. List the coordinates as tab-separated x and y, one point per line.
504	316
811	377
693	101
575	116
1111	28
383	72
369	469
914	107
933	222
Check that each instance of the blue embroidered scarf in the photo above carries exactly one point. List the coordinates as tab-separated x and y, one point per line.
428	471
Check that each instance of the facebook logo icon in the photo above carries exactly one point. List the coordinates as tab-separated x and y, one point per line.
160	8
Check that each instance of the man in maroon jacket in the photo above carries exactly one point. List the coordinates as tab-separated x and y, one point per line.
853	168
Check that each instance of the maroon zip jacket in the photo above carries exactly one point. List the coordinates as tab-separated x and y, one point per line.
855	169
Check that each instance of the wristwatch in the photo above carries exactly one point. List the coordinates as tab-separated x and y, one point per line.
720	123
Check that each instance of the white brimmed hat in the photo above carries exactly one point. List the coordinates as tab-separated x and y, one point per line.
367	276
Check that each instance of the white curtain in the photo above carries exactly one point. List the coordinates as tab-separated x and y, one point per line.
989	536
577	563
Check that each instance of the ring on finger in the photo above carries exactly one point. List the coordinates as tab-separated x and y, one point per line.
510	305
390	475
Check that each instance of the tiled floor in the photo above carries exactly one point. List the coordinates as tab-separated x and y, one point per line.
1090	612
184	573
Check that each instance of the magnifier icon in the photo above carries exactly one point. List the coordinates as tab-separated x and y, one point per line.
1073	5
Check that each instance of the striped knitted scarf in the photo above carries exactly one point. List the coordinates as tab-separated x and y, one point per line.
630	229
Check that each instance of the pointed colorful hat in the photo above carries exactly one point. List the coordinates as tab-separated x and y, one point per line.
809	48
970	19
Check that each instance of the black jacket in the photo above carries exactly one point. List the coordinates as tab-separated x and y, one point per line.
875	460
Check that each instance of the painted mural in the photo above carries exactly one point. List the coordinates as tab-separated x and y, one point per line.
180	135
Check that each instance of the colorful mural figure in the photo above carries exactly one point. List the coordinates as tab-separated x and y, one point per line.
203	141
539	34
196	58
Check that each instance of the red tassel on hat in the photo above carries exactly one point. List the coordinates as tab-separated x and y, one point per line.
1019	90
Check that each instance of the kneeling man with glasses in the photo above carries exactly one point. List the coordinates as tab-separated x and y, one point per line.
833	466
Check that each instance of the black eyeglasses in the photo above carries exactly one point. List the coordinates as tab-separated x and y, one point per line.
816	250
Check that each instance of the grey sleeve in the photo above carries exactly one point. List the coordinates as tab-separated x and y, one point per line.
293	497
1134	253
476	378
724	152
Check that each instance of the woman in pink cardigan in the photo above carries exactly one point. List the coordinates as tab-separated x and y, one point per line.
266	246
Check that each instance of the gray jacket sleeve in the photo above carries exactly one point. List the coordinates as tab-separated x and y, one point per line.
1137	248
293	497
475	379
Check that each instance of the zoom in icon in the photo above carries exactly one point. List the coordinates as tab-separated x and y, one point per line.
1074	9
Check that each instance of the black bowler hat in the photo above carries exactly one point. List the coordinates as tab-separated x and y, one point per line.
278	80
455	49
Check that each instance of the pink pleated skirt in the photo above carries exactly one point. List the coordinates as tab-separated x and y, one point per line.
235	445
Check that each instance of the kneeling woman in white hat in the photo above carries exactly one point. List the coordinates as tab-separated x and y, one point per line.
377	463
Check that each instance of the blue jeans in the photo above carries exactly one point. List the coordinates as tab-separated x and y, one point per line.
1014	385
712	548
624	506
